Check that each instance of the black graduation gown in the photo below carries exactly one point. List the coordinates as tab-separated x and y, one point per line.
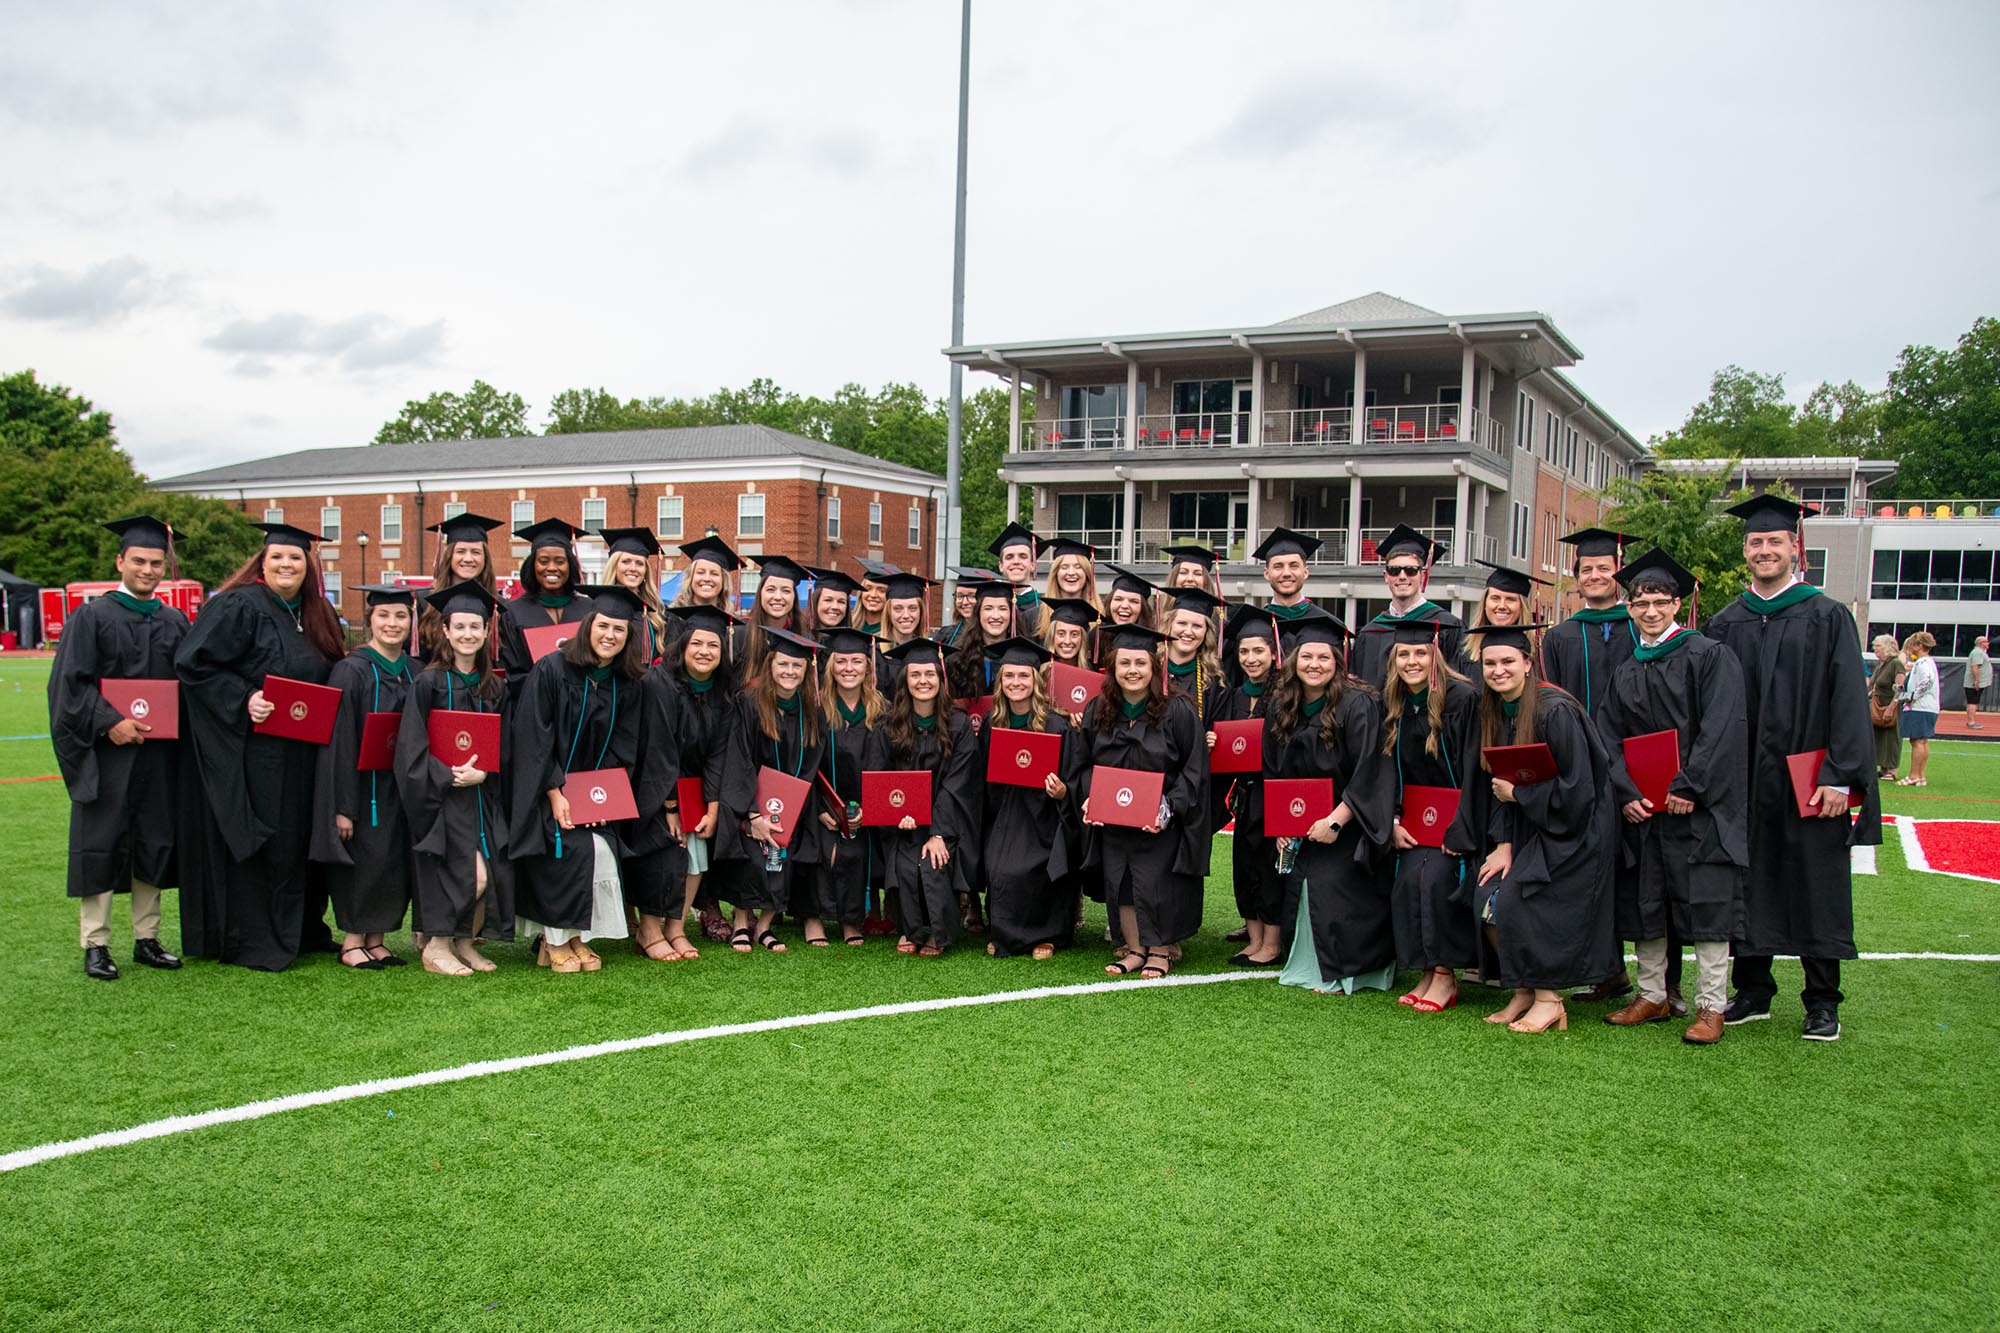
746	882
563	723
368	875
1158	874
1580	656
926	897
837	890
244	865
655	865
1027	853
452	826
1347	901
1253	858
1553	910
1375	641
520	614
124	799
1208	706
1430	899
1685	868
1804	689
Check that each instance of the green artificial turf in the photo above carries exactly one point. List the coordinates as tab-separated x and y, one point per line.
1224	1156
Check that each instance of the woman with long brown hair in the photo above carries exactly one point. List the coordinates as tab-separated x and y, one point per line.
1504	601
1323	723
851	707
777	726
465	555
1027	851
632	562
578	713
1430	732
243	864
776	606
832	603
1151	875
969	669
1253	637
924	864
1072	574
906	608
1542	899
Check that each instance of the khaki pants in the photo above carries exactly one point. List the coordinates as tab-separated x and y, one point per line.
1711	961
145	915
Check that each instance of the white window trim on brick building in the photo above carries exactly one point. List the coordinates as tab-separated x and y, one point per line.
750	515
329	522
392	523
669	507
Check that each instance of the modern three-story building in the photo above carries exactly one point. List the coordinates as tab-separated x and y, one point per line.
1341	423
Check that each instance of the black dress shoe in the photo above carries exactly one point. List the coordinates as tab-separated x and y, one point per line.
1741	1011
97	964
1821	1025
1610	988
1238	935
151	954
1675	1004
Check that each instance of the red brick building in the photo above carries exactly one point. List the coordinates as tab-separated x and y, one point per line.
764	491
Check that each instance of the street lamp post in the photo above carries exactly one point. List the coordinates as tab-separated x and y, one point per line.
361	540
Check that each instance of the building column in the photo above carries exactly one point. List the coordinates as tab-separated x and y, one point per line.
1467	379
1131	404
1253	516
1459	554
1353	519
1013	409
1357	419
1256	399
1127	541
1013	502
1477	525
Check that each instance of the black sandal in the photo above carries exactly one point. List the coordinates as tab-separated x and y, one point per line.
739	939
368	962
1125	967
1154	971
771	942
388	959
854	941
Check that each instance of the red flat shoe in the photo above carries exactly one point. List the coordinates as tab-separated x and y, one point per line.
1433	1007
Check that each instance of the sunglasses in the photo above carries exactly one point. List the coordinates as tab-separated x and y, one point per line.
1404	571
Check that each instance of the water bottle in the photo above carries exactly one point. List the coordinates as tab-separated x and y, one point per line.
774	857
853	820
1288	855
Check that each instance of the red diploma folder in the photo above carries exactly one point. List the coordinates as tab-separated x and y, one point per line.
1428	812
157	703
300	710
545	639
693	803
1654	761
1239	747
599	796
781	798
1124	796
1522	765
378	742
887	797
458	736
1022	758
1804	769
1070	688
977	709
1293	805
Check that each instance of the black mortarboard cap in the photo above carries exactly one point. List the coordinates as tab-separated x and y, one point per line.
712	618
140	530
714	550
1420	631
1018	651
1193	555
1194	599
1071	611
1595	542
1124	580
787	644
1509	636
1510	580
549	532
1771	513
469	598
1658	560
902	585
1016	534
284	534
975	573
842	639
1318	625
878	571
1131	636
1405	540
1283	541
1250	620
833	578
630	541
993	588
613	599
1057	547
919	651
465	527
781	567
388	594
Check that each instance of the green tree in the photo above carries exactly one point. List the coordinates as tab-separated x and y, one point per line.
1683	512
1942	418
480	413
1745	415
62	475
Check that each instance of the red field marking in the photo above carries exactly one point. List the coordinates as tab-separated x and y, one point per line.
46	777
1969	847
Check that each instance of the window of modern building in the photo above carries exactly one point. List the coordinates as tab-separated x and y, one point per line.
1831	501
392	523
874	523
1345	503
1954	638
1197	511
1935	576
1095	517
1815	570
453	508
916	526
667	518
1367	398
523	513
1524	421
329	523
1095	413
1550	440
593	513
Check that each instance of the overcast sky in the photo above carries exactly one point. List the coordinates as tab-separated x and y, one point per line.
246	230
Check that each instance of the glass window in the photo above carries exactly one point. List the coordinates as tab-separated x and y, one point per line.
1829	500
1095	517
1815	571
593	513
916	526
1882	581
523	513
1097	412
1915	577
874	524
329	523
750	516
833	518
667	517
453	508
1367	397
330	580
1978	576
392	523
1195	511
274	515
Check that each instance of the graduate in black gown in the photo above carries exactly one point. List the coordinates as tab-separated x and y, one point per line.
1253	642
578	714
776	606
1804	691
1067	632
777	726
1680	875
1193	651
1015	551
464	555
1544	850
1580	654
709	580
1504	601
1406	566
1430	736
1130	602
701	687
124	787
1152	876
359	833
969	671
1321	723
1027	853
836	893
922	863
461	876
550	578
244	870
1285	554
632	562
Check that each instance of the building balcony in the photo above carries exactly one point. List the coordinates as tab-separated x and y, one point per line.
1165	434
1925	510
1148	545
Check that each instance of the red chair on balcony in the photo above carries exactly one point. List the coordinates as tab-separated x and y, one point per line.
1320	428
1367	550
1187	437
1208	435
1406	430
1378	428
1055	437
1448	430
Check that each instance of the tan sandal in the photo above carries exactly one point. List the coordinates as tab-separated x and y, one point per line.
683	950
587	956
471	957
563	958
446	966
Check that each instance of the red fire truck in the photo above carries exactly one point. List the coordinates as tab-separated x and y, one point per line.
57	603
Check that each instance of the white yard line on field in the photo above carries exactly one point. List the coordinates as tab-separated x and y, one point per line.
1861	859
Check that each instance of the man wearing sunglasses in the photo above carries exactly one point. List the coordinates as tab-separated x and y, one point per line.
1406	561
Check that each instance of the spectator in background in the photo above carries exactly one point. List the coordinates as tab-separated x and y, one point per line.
1978	675
1920	705
1882	705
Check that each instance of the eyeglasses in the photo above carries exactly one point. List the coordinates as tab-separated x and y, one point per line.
1653	603
1404	571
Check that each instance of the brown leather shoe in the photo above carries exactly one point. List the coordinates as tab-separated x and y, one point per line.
1640	1011
1706	1030
1608	989
1675	1003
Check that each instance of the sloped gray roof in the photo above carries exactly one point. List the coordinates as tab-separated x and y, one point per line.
1362	310
608	449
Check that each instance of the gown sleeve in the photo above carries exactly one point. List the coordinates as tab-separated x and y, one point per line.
1564	806
422	779
1370	786
536	754
78	714
214	695
337	783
